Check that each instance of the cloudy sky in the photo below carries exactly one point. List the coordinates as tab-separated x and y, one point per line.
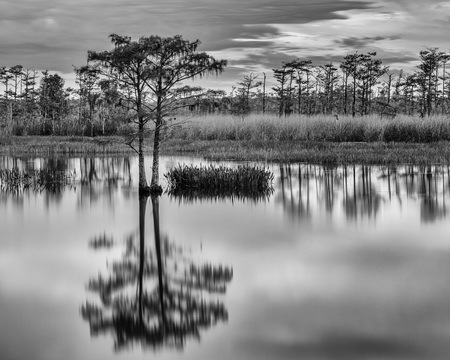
253	35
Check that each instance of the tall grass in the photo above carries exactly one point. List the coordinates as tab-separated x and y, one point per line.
16	180
191	182
314	128
67	145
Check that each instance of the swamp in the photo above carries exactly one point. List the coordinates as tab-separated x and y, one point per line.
279	191
335	262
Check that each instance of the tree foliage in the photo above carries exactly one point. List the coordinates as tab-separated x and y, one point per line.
137	88
148	71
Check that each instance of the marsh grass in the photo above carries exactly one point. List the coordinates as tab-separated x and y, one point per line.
322	152
314	128
16	180
258	137
190	182
64	145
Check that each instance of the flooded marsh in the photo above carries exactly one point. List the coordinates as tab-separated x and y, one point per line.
336	263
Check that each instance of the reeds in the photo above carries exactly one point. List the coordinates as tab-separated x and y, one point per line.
190	182
66	145
16	180
315	128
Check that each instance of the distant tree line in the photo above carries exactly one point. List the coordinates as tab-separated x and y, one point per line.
359	85
37	103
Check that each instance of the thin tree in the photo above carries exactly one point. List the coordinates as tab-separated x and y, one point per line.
428	68
52	100
88	80
244	92
264	94
350	66
301	67
151	68
284	90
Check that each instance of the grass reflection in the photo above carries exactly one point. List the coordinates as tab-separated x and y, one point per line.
16	180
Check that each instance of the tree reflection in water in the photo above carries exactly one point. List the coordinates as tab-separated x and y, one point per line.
301	187
361	190
156	298
362	197
431	209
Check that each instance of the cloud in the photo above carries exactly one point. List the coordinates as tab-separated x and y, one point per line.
52	34
361	42
72	28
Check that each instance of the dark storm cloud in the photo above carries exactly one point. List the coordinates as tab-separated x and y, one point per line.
227	20
31	48
232	12
357	43
398	59
387	57
29	26
252	34
248	38
269	58
257	31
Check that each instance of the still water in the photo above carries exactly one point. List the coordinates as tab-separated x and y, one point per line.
337	263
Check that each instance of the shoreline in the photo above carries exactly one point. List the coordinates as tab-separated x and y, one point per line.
293	151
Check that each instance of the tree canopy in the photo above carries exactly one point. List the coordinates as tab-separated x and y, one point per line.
149	71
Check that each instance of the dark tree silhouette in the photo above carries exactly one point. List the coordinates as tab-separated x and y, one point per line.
151	68
244	92
53	99
88	80
178	305
284	77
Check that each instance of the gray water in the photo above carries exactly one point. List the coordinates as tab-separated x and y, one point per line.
338	263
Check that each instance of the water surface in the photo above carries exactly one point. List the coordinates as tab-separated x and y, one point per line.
338	263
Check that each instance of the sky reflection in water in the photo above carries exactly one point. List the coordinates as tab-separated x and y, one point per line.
342	263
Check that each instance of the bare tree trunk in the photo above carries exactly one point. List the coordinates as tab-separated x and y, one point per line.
264	95
354	98
389	89
345	92
155	188
91	120
142	177
154	185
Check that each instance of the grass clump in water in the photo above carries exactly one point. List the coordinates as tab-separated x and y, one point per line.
191	182
16	180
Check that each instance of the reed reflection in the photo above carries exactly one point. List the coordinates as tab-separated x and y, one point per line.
357	191
361	190
427	184
93	178
432	205
361	197
196	196
173	299
101	178
295	191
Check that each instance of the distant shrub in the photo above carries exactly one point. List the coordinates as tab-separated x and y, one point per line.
18	130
